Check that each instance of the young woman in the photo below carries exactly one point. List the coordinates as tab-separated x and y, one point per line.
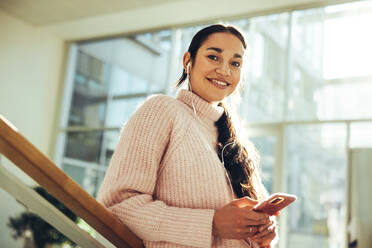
179	176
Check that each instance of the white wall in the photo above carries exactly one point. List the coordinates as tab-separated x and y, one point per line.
30	71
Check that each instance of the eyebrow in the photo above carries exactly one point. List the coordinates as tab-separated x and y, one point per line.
219	50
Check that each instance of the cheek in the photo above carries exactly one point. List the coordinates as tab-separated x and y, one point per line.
235	82
234	88
205	67
236	78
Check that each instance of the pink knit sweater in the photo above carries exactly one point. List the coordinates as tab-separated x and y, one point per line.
165	179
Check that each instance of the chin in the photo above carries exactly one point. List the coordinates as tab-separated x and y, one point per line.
212	94
215	98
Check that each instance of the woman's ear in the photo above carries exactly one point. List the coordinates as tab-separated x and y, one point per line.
186	60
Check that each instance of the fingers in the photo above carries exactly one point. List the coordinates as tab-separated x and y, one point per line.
244	202
265	241
264	232
254	218
238	220
263	227
266	237
250	231
245	232
259	222
255	230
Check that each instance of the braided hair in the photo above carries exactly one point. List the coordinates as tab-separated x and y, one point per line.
241	165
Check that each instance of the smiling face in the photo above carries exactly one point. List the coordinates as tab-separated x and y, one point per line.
215	71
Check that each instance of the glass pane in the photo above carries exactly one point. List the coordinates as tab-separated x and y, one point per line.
330	72
347	43
90	182
111	139
344	101
85	146
315	160
90	92
306	64
87	110
124	83
263	93
139	60
266	147
86	170
98	181
75	172
87	178
361	135
121	110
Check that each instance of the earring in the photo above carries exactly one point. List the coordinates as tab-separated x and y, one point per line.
188	69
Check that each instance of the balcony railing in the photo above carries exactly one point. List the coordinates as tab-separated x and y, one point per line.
35	164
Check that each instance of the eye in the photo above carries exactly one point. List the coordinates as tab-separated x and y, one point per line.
236	64
212	57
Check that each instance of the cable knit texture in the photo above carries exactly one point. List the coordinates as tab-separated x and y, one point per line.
165	179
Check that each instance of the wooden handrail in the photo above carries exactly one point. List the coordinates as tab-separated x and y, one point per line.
37	204
35	164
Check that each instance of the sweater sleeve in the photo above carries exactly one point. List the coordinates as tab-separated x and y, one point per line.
128	187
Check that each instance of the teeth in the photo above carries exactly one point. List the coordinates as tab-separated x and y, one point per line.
219	82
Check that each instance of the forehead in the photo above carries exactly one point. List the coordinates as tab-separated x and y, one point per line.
225	41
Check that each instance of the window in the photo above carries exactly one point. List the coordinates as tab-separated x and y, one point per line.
110	79
308	78
315	158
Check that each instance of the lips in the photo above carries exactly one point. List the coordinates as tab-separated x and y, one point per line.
218	83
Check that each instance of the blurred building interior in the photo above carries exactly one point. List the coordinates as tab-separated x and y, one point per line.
72	73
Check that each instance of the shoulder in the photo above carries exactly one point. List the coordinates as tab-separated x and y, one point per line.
159	105
166	112
157	108
159	100
152	118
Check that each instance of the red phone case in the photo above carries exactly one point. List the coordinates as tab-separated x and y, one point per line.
275	203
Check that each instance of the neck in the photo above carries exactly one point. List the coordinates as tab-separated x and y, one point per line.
214	103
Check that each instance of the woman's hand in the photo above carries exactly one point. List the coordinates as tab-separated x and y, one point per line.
237	220
265	234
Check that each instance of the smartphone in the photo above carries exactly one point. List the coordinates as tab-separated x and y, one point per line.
275	203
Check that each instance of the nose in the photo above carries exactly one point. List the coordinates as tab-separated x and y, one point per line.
224	69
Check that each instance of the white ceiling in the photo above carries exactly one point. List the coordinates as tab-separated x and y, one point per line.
46	12
77	20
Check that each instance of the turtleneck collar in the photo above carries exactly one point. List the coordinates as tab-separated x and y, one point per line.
202	107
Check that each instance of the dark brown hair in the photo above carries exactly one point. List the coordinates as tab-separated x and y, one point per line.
241	163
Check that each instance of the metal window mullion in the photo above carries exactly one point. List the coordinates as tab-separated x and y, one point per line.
348	184
109	100
66	103
269	124
89	129
289	66
176	43
80	163
280	181
281	142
